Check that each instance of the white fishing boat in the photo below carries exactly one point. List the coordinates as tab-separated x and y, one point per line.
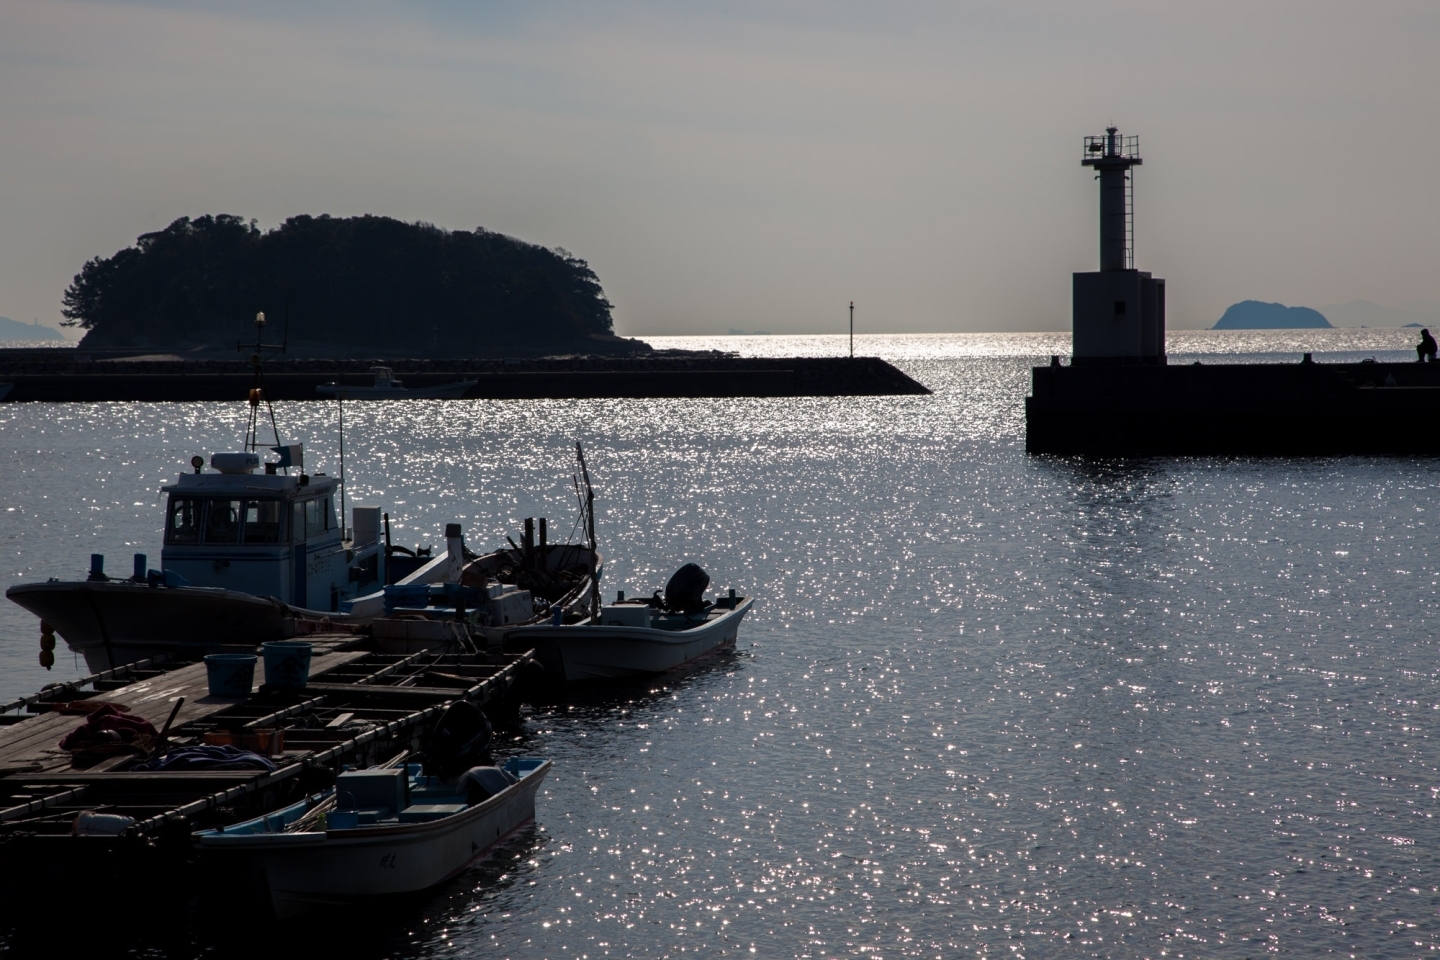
250	549
631	639
379	832
526	584
243	553
386	387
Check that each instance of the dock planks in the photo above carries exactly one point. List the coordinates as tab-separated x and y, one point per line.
32	746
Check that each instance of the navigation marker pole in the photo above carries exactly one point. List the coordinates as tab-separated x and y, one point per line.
340	398
852	329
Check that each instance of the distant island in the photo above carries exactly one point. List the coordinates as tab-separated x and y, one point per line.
363	286
15	330
1364	313
1257	315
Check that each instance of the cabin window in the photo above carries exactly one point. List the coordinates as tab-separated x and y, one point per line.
222	521
315	517
297	523
183	525
263	519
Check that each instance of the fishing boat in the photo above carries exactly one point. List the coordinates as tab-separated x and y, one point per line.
250	549
585	640
245	556
631	638
528	583
121	810
386	387
379	832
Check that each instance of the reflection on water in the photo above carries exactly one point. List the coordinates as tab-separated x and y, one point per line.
987	703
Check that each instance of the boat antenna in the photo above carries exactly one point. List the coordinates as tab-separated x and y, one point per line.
590	534
257	390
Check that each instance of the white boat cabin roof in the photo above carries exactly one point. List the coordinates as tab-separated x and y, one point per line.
213	484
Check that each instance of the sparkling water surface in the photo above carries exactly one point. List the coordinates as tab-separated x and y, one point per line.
988	703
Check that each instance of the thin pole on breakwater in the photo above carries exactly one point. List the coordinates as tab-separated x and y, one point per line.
344	531
852	329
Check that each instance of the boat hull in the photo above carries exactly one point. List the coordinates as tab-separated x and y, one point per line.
584	652
118	622
306	871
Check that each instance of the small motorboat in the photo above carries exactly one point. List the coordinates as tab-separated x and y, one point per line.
636	638
378	832
386	387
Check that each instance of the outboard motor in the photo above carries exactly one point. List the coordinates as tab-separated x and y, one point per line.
459	740
685	593
479	784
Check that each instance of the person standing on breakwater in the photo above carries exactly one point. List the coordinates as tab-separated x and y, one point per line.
1426	347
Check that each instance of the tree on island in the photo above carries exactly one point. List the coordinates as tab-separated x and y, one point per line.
351	283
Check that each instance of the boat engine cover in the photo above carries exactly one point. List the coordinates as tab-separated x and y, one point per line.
685	593
479	784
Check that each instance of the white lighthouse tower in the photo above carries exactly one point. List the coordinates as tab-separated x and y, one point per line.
1118	311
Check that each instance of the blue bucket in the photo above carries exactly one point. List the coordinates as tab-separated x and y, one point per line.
287	664
230	674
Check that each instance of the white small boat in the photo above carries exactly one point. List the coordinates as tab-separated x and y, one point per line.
386	387
632	639
379	832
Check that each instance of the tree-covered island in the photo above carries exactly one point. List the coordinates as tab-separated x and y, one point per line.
344	286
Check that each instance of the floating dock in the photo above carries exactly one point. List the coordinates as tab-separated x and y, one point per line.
360	707
69	375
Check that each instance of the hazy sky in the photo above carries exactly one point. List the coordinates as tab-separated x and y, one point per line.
751	165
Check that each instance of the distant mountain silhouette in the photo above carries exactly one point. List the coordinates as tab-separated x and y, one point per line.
1257	315
15	330
1363	313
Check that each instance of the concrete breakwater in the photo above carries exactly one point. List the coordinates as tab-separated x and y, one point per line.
61	376
1301	409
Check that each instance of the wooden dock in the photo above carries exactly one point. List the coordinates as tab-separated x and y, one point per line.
361	707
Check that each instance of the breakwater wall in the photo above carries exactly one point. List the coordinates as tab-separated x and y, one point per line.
40	376
1302	409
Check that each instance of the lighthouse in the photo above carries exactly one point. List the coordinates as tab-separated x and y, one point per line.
1118	312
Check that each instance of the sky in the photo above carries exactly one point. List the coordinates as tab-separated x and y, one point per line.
753	166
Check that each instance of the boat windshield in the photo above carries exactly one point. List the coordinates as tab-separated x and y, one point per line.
262	521
222	521
183	525
193	520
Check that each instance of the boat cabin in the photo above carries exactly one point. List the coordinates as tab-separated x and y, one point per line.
269	535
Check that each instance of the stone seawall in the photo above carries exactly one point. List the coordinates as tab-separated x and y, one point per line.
40	377
1301	409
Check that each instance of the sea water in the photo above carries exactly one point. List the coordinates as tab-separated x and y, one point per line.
987	703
